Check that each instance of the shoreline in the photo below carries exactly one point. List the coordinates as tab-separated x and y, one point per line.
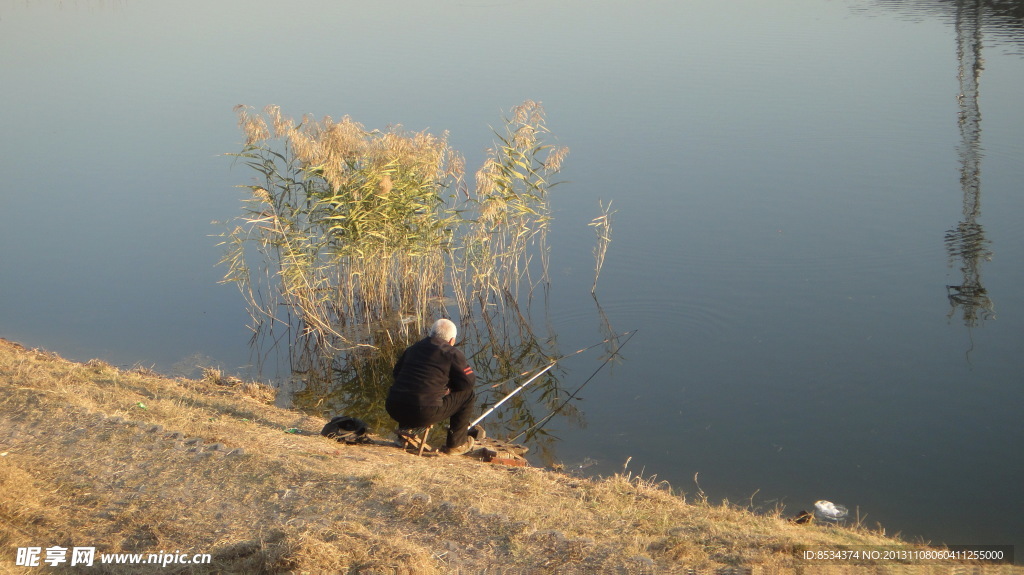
133	462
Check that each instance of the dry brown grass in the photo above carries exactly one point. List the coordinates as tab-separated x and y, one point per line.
134	462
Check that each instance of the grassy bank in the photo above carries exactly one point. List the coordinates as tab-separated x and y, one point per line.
134	462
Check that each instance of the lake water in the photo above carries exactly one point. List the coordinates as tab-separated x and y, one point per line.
785	176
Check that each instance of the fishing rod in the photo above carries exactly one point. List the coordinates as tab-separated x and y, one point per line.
514	391
558	359
542	372
533	429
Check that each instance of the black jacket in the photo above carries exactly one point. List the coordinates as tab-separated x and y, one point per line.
426	370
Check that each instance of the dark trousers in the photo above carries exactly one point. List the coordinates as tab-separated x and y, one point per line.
457	406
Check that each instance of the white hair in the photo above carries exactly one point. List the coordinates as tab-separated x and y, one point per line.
444	329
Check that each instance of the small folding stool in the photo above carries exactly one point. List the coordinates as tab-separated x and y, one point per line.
418	442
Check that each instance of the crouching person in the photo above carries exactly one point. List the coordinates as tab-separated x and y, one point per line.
434	382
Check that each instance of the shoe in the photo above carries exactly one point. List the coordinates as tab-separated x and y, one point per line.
460	450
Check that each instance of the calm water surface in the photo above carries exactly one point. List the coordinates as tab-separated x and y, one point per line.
785	174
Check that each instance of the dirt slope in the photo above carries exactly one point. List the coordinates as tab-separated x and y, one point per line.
130	462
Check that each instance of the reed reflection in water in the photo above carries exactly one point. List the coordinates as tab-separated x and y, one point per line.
504	349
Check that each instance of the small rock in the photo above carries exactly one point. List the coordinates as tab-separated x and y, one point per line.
829	511
552	534
413	499
642	561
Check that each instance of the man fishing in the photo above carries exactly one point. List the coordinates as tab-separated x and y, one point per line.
434	382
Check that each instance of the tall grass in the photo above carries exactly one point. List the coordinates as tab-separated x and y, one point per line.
512	211
352	241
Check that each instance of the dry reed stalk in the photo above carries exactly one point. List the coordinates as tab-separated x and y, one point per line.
603	227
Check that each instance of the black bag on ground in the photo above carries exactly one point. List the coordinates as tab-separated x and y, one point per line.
345	429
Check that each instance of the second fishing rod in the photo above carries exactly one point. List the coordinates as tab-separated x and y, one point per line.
556	360
546	368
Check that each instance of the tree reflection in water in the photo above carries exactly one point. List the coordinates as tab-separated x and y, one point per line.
966	242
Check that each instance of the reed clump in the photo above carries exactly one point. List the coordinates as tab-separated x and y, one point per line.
348	230
353	240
